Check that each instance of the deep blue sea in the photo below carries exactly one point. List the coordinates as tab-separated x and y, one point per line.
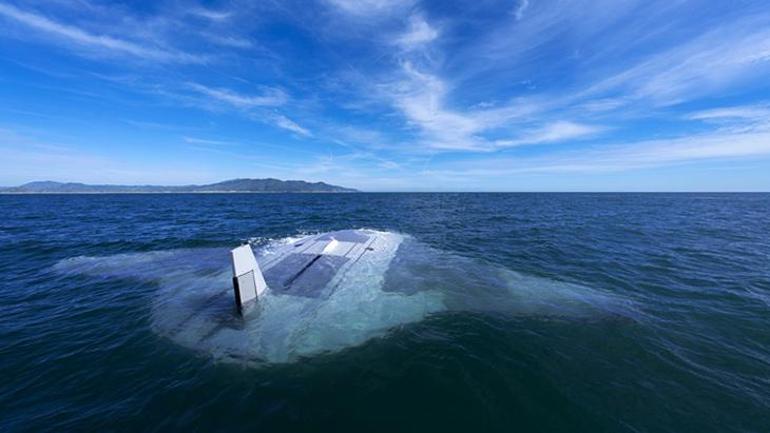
511	313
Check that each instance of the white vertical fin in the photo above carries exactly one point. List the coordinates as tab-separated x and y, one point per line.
248	281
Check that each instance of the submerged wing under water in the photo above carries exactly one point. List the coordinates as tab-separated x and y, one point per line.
325	293
330	291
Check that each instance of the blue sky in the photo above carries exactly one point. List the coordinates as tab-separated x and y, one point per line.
389	95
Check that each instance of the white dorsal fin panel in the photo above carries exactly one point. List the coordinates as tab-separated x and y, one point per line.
248	281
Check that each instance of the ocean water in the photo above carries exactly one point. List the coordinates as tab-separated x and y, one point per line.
498	312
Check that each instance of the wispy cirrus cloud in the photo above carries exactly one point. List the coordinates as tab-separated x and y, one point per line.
270	97
642	63
735	119
227	40
196	140
555	132
418	33
422	99
758	112
414	86
707	63
284	122
210	14
105	44
615	157
713	61
370	7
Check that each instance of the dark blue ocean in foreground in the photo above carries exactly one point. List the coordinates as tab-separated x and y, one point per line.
529	313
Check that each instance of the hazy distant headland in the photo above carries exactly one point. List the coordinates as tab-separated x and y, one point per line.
234	185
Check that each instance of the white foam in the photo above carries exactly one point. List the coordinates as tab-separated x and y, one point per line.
470	284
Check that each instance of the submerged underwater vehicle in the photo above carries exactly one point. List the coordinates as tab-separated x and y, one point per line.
298	297
316	294
312	267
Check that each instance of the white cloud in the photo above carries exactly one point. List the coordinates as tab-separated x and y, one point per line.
421	97
423	104
389	165
107	44
716	60
210	14
710	146
418	34
736	119
649	52
746	112
284	122
553	133
721	145
370	7
271	97
194	140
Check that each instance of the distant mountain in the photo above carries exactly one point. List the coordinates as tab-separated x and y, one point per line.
270	185
234	185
